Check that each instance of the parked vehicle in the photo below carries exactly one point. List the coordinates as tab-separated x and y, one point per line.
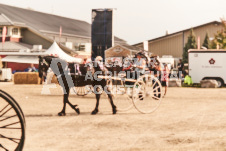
207	64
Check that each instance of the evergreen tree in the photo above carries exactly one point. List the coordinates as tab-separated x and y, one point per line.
206	42
191	44
220	37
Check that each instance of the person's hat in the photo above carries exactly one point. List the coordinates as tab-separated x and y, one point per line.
98	58
140	54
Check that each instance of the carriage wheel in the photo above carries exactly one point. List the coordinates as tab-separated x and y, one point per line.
121	99
82	91
13	100
147	94
12	124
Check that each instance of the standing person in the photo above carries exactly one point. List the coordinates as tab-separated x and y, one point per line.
140	65
32	68
165	77
180	67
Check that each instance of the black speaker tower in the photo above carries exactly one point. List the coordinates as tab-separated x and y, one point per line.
102	36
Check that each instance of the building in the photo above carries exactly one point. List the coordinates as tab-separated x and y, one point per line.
29	31
173	44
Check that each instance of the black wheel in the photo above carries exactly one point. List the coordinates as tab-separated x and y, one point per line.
12	124
220	83
13	100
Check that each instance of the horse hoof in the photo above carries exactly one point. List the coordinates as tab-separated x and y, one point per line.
77	110
61	114
114	111
94	112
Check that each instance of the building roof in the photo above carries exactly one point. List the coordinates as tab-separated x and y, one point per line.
130	47
45	23
10	46
213	22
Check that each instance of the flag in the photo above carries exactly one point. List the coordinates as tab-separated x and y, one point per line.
60	34
60	31
198	42
145	45
4	31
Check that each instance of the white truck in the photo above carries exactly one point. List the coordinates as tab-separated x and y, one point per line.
207	64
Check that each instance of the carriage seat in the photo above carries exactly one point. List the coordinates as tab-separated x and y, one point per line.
78	69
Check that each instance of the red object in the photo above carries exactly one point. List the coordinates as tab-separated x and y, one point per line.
211	61
4	31
165	74
19	66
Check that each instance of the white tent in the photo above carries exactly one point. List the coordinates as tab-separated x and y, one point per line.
54	49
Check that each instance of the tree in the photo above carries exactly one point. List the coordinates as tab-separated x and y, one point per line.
220	38
191	44
206	42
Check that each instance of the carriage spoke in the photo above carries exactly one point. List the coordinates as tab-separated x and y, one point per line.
6	111
155	89
6	126
155	97
154	84
4	108
8	118
15	140
3	147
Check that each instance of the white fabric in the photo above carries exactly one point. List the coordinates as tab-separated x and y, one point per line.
54	49
21	59
6	74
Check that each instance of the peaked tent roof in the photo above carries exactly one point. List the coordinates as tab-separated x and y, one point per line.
54	49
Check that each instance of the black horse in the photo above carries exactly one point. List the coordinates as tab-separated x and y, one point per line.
70	75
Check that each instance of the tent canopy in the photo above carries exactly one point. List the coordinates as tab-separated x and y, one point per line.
21	59
54	50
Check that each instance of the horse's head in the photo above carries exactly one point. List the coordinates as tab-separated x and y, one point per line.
44	64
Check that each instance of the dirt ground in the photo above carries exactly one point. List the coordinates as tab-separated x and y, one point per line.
187	119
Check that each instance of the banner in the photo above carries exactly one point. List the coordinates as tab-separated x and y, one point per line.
4	31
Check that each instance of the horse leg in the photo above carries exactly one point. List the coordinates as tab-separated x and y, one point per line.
62	113
74	107
114	108
95	111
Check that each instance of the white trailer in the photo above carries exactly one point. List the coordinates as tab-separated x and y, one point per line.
207	64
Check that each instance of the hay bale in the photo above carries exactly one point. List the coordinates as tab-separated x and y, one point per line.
20	78
208	83
26	78
33	78
175	83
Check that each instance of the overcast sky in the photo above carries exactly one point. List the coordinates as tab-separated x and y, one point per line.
136	20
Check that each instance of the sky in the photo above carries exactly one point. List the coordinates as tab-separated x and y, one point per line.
135	20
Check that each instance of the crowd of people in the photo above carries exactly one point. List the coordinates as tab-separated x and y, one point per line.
139	66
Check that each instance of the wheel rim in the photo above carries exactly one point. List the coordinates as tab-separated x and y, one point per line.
82	91
12	126
121	99
147	94
219	83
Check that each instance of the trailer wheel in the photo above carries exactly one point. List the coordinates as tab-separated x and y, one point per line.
219	82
